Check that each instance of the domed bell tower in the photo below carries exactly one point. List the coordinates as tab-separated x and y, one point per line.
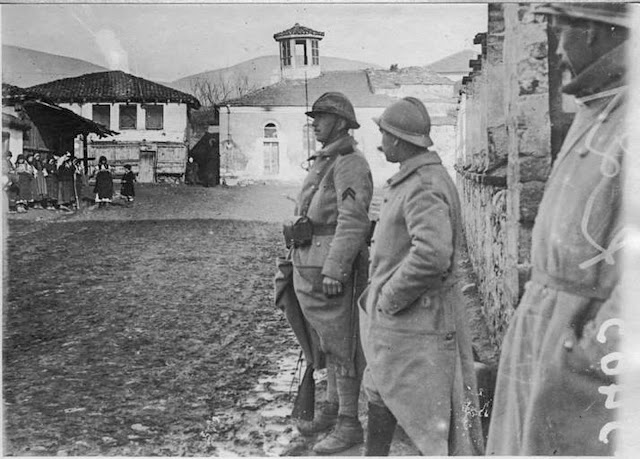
299	52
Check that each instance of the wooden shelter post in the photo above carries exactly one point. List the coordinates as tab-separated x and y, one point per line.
85	154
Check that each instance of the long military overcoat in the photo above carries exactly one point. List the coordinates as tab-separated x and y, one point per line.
335	195
556	387
414	330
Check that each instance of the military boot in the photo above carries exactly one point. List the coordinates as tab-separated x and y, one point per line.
347	433
324	419
380	429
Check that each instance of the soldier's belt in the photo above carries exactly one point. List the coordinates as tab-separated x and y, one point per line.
324	230
300	232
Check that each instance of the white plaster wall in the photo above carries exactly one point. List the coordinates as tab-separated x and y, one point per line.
174	123
16	142
246	129
16	136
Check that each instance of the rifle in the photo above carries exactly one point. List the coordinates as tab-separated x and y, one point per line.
304	403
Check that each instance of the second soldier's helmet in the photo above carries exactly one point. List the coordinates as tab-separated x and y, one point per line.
408	120
335	103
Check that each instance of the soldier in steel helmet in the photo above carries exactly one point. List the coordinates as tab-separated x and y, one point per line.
414	332
556	392
330	258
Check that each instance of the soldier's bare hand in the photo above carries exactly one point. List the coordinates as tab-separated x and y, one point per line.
331	287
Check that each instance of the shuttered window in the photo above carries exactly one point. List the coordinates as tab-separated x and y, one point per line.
128	116
102	115
154	116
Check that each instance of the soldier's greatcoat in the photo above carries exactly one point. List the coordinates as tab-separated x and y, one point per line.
559	358
414	329
335	195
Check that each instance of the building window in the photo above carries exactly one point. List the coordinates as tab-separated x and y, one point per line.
128	116
285	49
154	117
271	157
315	53
301	52
102	115
271	148
270	131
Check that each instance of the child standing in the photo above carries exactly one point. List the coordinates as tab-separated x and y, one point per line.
127	190
104	183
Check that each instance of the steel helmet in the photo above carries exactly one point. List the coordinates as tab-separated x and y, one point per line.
408	120
610	13
335	103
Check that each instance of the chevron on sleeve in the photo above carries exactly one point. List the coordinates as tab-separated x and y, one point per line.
349	193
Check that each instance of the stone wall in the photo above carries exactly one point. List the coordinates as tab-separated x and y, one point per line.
505	151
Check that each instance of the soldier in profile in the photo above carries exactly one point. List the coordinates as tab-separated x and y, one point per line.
414	328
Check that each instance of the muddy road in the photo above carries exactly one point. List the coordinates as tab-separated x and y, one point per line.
149	329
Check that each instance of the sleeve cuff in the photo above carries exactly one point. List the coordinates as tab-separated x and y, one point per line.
387	302
335	271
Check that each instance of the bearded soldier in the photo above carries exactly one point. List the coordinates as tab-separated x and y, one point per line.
414	331
330	257
556	392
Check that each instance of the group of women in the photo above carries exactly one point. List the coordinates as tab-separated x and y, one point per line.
54	182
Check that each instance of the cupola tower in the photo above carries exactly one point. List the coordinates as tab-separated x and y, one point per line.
299	52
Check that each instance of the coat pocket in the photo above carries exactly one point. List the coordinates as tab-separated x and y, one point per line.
426	315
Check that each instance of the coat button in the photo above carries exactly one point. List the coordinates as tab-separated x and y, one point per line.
448	336
318	244
568	344
385	200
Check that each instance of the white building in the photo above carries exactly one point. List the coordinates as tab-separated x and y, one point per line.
151	120
266	134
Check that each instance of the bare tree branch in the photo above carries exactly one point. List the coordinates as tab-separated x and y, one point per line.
220	89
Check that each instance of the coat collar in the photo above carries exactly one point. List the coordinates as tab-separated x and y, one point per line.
606	73
342	146
412	164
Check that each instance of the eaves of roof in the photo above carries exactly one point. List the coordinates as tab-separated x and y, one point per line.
112	86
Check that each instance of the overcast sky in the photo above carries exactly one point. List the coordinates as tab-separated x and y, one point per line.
168	41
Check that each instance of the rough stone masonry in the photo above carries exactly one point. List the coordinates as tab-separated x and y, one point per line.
510	127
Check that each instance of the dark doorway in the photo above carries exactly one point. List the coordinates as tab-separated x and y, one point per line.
206	153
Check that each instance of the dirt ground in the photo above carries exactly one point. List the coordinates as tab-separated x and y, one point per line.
149	329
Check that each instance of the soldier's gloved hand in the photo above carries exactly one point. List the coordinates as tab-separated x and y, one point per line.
331	287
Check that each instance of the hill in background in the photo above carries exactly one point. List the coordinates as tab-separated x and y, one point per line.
259	72
27	67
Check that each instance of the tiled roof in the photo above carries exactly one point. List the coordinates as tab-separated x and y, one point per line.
458	62
354	84
297	30
12	95
405	76
113	86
